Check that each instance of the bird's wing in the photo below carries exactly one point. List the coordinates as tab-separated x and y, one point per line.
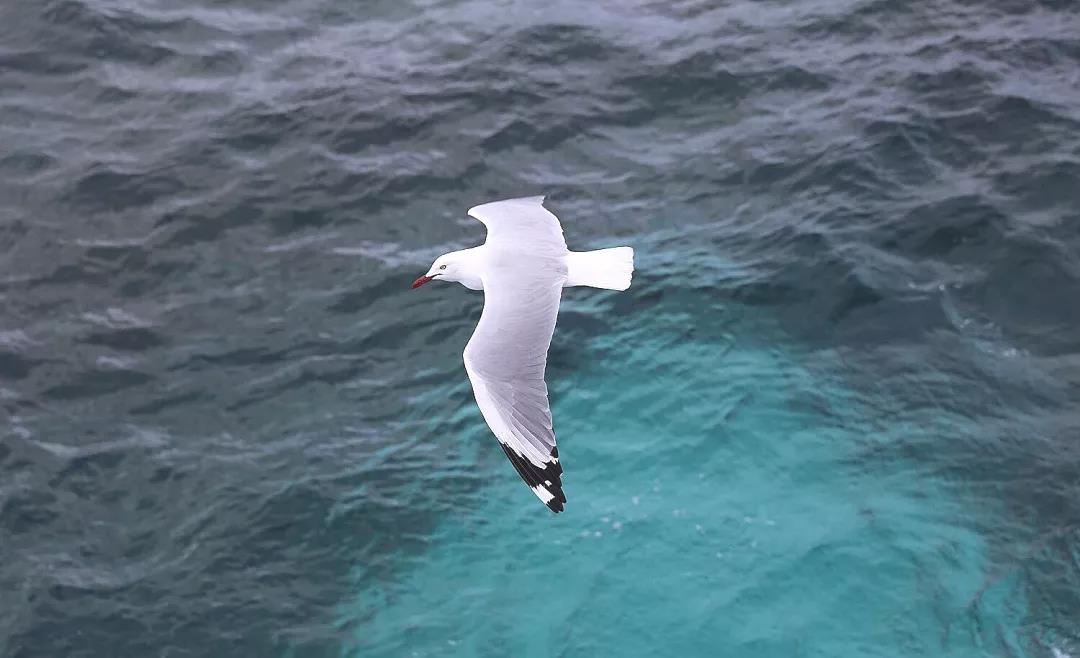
514	223
506	358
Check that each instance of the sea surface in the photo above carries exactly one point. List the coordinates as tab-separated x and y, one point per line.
836	415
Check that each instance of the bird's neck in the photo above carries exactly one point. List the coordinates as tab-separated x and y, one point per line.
470	271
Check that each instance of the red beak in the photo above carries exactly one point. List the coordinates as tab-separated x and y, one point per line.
421	281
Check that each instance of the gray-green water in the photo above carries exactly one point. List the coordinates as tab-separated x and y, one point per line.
834	416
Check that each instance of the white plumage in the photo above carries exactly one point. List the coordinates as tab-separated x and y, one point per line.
522	268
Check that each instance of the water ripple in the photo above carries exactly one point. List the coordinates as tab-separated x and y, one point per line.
845	369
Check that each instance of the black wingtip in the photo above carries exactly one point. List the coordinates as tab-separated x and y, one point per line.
549	477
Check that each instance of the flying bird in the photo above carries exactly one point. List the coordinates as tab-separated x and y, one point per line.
522	268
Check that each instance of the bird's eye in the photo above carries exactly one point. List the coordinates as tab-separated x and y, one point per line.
442	267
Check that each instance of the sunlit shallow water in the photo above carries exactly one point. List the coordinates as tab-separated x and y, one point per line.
724	497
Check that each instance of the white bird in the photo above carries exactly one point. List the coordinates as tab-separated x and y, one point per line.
522	268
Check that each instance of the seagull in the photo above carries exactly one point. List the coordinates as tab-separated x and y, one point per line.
522	268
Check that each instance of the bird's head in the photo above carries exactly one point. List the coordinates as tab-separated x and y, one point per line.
448	267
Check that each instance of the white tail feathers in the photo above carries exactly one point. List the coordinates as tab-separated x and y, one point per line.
604	268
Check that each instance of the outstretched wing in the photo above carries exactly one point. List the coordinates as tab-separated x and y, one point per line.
506	359
525	222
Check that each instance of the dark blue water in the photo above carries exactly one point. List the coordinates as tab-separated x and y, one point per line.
836	414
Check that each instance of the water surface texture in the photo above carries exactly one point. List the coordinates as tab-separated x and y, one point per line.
836	414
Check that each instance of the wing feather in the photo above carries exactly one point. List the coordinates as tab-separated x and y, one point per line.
506	359
514	224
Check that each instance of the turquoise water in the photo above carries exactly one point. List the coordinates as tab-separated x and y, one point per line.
724	500
835	415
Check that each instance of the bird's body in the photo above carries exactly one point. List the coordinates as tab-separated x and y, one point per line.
522	268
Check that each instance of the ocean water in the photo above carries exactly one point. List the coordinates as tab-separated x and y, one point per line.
835	415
